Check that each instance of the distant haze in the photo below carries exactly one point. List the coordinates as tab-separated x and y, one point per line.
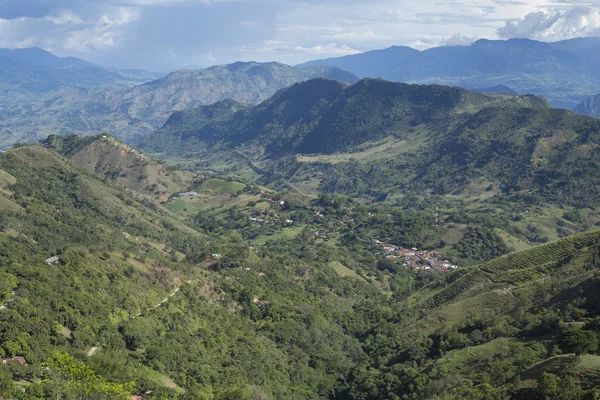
164	35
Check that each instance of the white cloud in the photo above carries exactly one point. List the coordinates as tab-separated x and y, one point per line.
553	25
67	31
322	50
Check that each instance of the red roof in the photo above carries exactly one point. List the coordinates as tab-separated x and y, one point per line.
20	359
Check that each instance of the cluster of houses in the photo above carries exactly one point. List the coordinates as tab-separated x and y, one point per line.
415	258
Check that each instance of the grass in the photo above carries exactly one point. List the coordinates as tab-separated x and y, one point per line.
380	150
286	233
480	357
344	271
455	234
6	179
220	186
193	205
513	242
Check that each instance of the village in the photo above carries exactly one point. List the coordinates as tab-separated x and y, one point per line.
415	258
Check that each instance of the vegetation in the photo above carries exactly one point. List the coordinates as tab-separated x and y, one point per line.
133	113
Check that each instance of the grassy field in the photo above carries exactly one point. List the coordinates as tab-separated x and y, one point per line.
455	234
193	205
6	179
344	271
512	242
220	186
286	233
380	150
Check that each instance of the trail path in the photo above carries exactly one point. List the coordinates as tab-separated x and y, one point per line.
162	302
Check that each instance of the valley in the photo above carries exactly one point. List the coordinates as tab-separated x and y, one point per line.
259	231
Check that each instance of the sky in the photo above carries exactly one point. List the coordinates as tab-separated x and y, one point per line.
164	35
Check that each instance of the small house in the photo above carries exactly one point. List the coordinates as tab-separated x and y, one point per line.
15	359
52	260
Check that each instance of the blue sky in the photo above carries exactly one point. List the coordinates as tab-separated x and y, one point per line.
164	35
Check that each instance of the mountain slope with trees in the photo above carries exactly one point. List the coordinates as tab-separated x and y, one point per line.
323	116
122	312
132	113
377	137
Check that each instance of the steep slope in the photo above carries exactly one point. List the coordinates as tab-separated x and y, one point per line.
563	72
590	106
322	116
231	318
131	114
477	332
34	74
377	137
122	164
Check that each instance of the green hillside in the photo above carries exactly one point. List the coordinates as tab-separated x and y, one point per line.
122	164
133	113
274	295
323	116
378	139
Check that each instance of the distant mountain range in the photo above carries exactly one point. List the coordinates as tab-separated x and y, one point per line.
133	113
380	134
563	72
34	74
590	106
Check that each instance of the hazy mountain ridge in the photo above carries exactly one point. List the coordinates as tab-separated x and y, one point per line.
590	106
563	72
32	74
132	113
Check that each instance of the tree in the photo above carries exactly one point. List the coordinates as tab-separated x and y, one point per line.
6	383
8	282
578	341
77	380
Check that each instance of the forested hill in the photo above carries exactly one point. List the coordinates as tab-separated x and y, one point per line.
324	116
132	113
377	137
106	296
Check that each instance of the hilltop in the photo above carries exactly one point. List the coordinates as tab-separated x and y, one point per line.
122	164
563	72
132	113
